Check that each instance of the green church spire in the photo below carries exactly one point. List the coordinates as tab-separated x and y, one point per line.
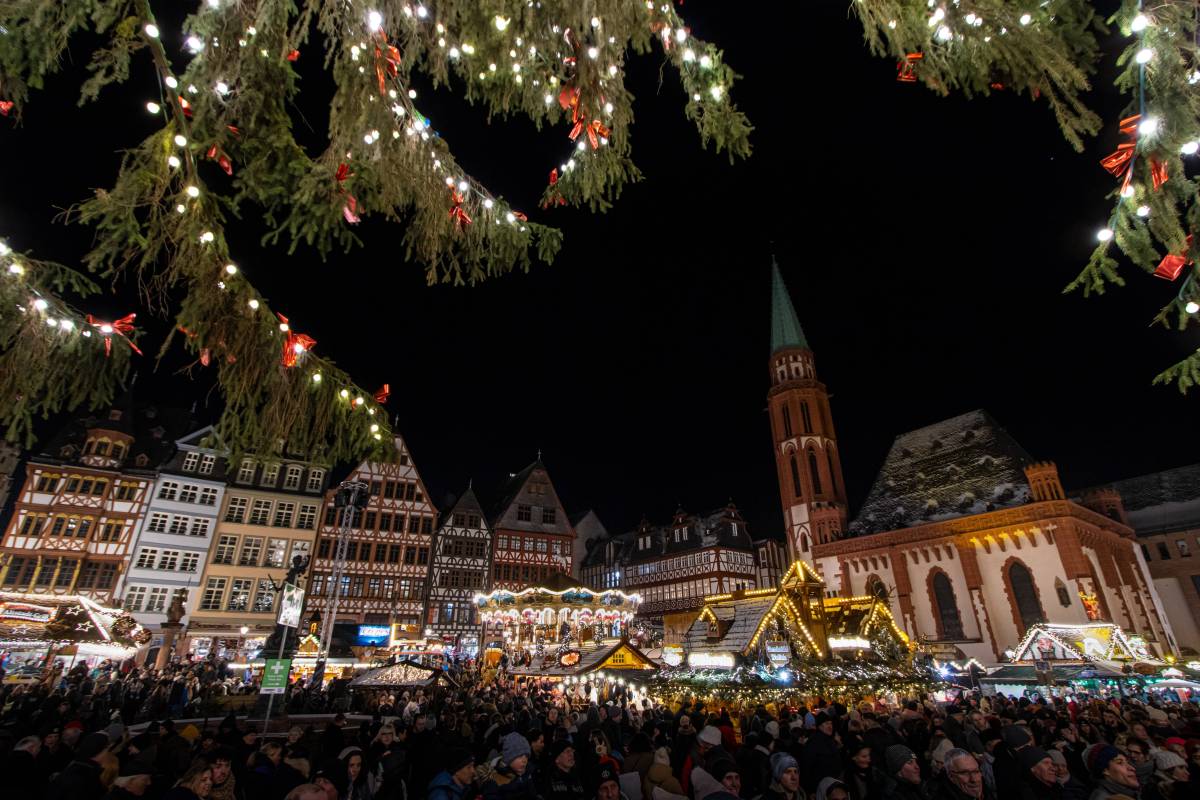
785	325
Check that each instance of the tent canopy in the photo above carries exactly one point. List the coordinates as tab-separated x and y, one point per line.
400	674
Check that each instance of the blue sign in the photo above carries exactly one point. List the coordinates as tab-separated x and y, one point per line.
373	636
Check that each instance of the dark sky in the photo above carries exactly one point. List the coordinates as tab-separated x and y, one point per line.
925	240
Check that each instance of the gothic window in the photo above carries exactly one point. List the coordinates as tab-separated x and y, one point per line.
796	489
947	608
1064	597
787	423
815	473
1029	608
832	471
805	417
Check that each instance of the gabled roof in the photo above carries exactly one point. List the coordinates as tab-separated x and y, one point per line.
785	325
519	491
963	465
738	620
1162	500
154	430
725	527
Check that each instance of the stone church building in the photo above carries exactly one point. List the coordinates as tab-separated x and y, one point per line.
971	538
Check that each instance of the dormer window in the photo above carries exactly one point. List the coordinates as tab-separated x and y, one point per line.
644	543
681	534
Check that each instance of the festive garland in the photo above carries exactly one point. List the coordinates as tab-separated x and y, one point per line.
226	146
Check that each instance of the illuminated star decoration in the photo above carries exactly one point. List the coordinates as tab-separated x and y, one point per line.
84	626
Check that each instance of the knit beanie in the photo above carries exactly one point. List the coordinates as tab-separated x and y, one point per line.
772	729
943	747
710	735
1030	757
781	762
1015	736
722	767
896	757
91	746
1099	758
1165	761
704	784
457	759
513	746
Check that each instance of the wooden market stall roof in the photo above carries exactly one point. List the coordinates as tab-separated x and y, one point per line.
402	673
617	654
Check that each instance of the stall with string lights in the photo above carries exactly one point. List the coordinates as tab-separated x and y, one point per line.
792	643
37	628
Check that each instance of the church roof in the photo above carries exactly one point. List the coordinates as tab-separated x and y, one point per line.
961	466
785	325
1162	500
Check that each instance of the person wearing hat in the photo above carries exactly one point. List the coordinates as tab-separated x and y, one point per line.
453	782
708	747
1006	768
904	774
80	780
726	771
329	777
1171	777
509	779
1039	778
608	784
785	778
133	780
1113	772
707	787
1073	788
821	757
561	781
660	775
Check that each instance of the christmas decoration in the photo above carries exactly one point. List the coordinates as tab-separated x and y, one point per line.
225	99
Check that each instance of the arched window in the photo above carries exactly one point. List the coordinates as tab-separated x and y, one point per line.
832	471
804	543
1029	608
805	417
876	588
787	423
1064	596
816	474
796	488
947	607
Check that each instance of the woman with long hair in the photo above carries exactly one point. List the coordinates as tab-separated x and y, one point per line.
196	783
360	780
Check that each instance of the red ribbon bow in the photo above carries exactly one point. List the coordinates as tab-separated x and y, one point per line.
1121	160
556	197
5	107
387	63
906	70
1173	263
294	344
457	212
222	160
122	327
382	393
595	129
350	208
292	56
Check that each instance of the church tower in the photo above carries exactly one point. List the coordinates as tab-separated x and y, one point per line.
806	455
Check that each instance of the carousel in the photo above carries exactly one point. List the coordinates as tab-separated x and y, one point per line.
36	629
559	629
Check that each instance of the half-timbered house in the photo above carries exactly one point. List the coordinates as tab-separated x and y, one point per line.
461	563
532	537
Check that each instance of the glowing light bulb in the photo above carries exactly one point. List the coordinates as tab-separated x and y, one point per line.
1190	148
488	203
222	88
358	401
253	304
454	52
716	92
1127	191
1026	19
180	139
151	30
501	23
1139	23
681	36
231	269
1104	234
705	61
153	107
4	249
548	99
944	34
608	108
316	377
194	43
207	237
1144	55
283	327
374	427
689	55
66	325
297	348
422	12
171	82
463	186
374	20
1148	126
192	191
1192	307
593	53
344	393
1143	211
40	304
511	217
16	269
181	208
52	322
612	70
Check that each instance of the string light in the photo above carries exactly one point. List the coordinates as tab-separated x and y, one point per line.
500	22
171	82
1148	126
374	20
253	304
153	107
173	162
1192	307
1139	23
1104	234
1143	211
180	140
194	43
1190	148
151	30
16	269
192	191
1144	55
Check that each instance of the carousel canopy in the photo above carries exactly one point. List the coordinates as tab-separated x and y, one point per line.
66	618
556	593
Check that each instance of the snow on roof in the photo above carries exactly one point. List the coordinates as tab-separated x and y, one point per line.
963	465
742	617
1165	499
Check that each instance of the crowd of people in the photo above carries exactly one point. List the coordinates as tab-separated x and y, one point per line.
79	737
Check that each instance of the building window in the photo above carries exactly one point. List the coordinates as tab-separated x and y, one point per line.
270	475
239	594
947	607
316	478
189	562
1182	544
832	471
199	526
179	524
207	463
308	518
134	596
805	417
146	558
111	532
169	560
787	423
291	478
1024	591
276	552
190	462
226	547
814	474
251	550
187	493
524	513
246	471
301	549
260	513
127	491
283	515
47	483
235	511
264	598
157	600
1164	552
208	496
548	516
1145	552
158	523
168	490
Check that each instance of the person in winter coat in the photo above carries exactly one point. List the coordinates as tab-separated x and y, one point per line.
962	778
832	789
1113	772
196	784
1039	777
1073	788
660	776
726	772
863	779
785	779
821	756
1171	777
80	780
224	781
132	781
509	779
754	762
903	775
361	783
641	755
453	782
708	747
561	780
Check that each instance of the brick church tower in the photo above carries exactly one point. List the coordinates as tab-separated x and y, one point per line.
806	457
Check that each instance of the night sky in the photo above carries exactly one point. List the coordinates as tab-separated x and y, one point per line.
925	240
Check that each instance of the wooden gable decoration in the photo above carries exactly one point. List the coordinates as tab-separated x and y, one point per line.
626	656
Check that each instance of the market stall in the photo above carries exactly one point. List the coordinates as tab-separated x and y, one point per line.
35	629
402	674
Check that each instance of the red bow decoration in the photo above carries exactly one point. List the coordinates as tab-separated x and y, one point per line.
185	105
457	212
568	98
1173	263
122	327
387	62
382	393
595	129
294	344
350	208
5	107
1121	159
555	197
906	70
292	56
222	159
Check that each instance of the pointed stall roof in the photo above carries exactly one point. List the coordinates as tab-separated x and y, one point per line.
785	325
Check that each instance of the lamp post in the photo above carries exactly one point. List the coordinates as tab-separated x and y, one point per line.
351	496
